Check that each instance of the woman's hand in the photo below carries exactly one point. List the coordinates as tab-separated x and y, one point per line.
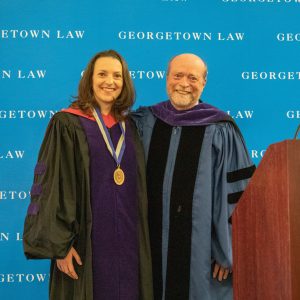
66	265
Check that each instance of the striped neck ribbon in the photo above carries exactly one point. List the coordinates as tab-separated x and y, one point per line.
117	153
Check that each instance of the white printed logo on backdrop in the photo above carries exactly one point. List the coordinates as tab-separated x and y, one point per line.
23	277
23	34
145	74
7	195
288	36
293	114
261	1
241	114
270	75
257	154
10	236
9	154
182	36
27	114
22	74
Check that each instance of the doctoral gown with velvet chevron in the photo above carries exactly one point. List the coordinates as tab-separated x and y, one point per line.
197	168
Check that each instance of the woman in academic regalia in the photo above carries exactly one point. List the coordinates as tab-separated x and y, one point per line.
88	210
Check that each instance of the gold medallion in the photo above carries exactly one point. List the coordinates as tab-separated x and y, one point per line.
119	176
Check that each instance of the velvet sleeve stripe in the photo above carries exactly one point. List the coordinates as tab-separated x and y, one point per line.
36	190
33	209
234	197
40	168
240	174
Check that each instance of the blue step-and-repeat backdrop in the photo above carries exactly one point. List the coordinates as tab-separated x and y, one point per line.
251	48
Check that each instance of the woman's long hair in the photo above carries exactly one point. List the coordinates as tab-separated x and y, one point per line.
86	99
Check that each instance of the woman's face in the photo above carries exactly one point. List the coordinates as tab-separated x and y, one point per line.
107	81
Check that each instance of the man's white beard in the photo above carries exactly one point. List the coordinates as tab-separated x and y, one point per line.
182	101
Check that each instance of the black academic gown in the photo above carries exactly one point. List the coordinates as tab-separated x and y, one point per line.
59	215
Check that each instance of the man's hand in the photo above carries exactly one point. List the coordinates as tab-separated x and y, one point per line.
220	272
66	265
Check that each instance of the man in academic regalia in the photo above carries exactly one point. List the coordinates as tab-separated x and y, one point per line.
197	169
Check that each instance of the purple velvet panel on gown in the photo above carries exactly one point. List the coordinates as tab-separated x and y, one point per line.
115	217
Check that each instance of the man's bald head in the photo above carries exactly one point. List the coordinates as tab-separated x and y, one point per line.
186	79
189	58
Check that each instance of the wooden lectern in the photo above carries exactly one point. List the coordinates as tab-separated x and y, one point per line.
266	229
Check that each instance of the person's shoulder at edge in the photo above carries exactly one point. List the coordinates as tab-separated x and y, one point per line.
140	111
144	111
141	114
